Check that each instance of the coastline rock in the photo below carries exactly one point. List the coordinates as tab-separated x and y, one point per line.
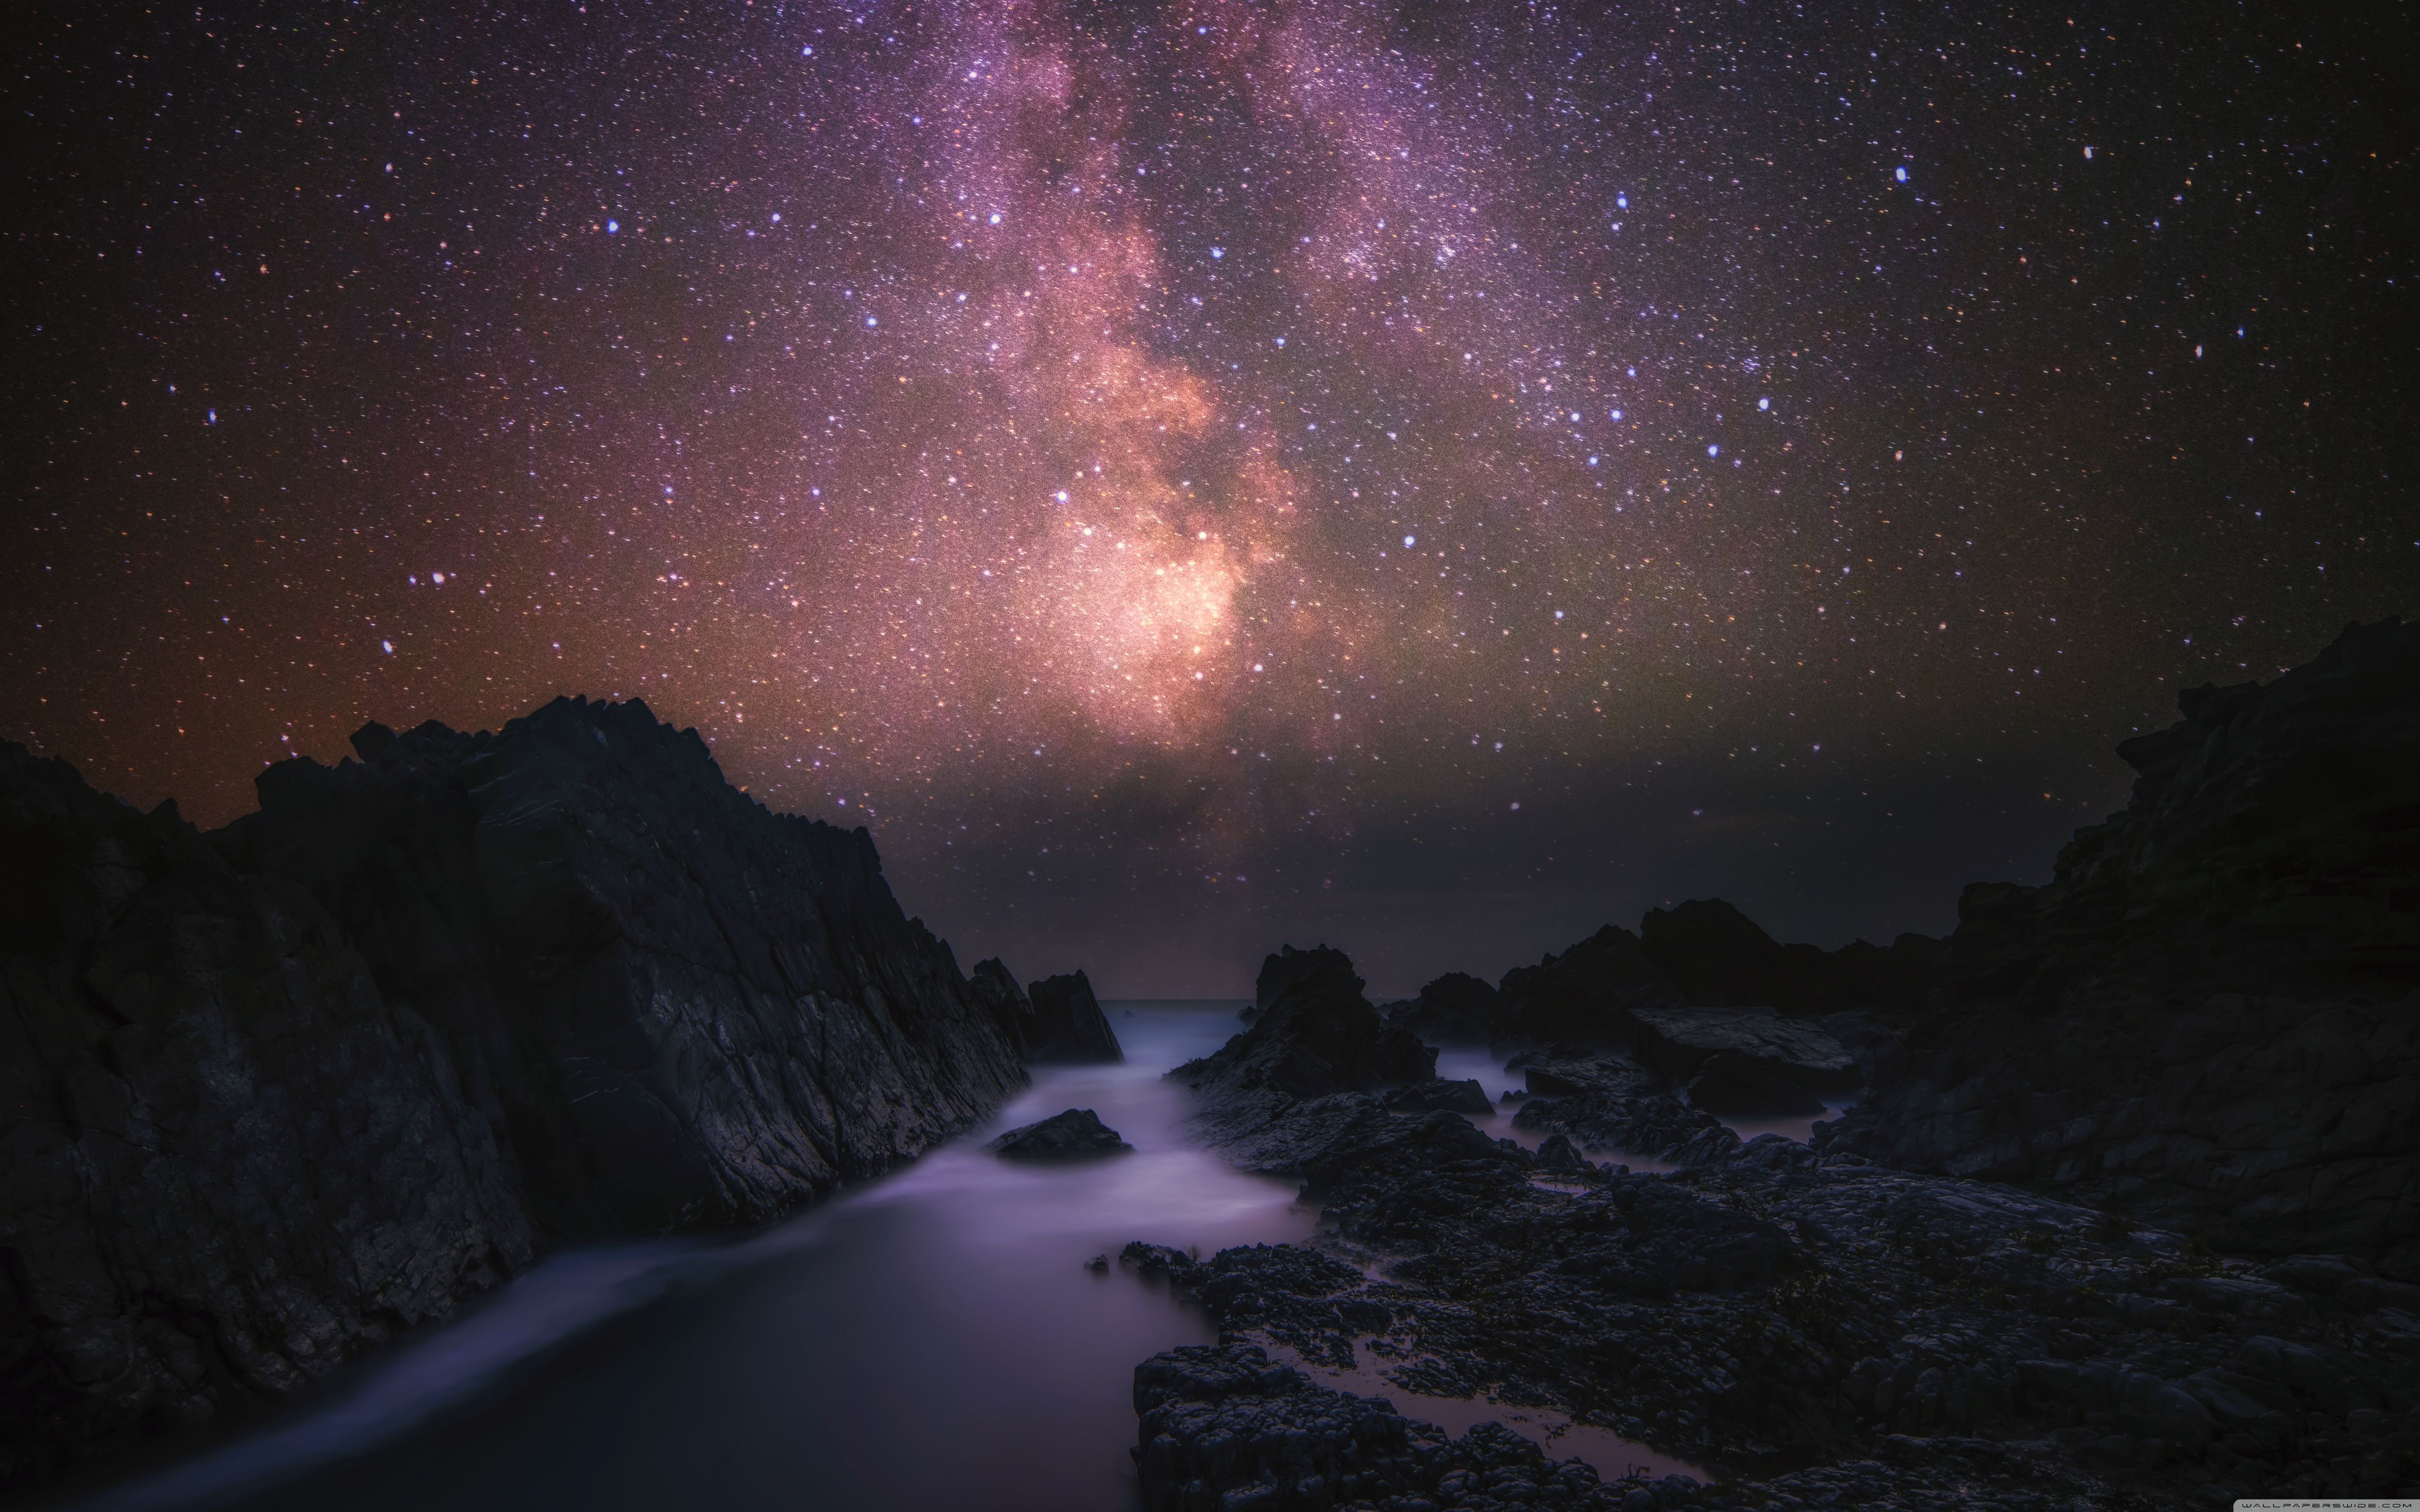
677	1009
1455	1008
1077	1134
291	1087
231	1165
1583	996
1683	1042
1316	1035
2210	1018
1068	1025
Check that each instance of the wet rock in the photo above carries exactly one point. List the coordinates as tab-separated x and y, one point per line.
1740	1086
1286	1085
1068	1023
1077	1134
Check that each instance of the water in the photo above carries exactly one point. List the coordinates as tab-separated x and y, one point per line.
932	1340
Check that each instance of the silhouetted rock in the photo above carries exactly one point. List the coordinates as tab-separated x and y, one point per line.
995	986
1316	1035
1455	1008
677	1009
1584	995
2206	1019
291	1088
1068	1023
1077	1134
1719	958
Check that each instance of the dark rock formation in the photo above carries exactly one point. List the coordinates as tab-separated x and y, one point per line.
1456	1008
1222	1426
677	1009
1584	995
1068	1023
1077	1134
1827	1335
287	1090
1316	1035
2208	1019
229	1164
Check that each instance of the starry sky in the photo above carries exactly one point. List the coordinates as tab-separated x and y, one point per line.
1186	474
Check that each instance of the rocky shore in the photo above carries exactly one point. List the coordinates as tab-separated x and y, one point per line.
2124	1214
286	1090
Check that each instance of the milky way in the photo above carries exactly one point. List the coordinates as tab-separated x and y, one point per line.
1192	474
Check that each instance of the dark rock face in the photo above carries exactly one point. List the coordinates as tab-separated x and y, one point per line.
1077	1134
1316	1035
301	1084
1068	1023
230	1165
2208	1018
1456	1008
1584	995
677	1009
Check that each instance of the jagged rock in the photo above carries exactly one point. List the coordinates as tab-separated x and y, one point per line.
288	1088
678	1009
1455	1008
1583	996
2206	1019
1316	1035
1068	1023
1077	1134
230	1165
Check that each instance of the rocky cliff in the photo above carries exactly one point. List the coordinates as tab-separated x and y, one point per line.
280	1091
2208	1018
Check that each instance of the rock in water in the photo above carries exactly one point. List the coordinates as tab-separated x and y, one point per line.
1077	1134
2206	1019
1316	1035
1068	1023
318	1077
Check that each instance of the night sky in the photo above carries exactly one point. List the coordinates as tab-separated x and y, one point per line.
1434	478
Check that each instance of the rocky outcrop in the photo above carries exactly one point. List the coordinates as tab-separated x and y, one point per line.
1057	1021
229	1162
2210	1018
1077	1134
1316	1035
1455	1008
1825	1334
1068	1023
288	1088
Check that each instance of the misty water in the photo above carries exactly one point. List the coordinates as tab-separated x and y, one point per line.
929	1340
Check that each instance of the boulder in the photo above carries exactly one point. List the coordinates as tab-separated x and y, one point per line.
1077	1134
